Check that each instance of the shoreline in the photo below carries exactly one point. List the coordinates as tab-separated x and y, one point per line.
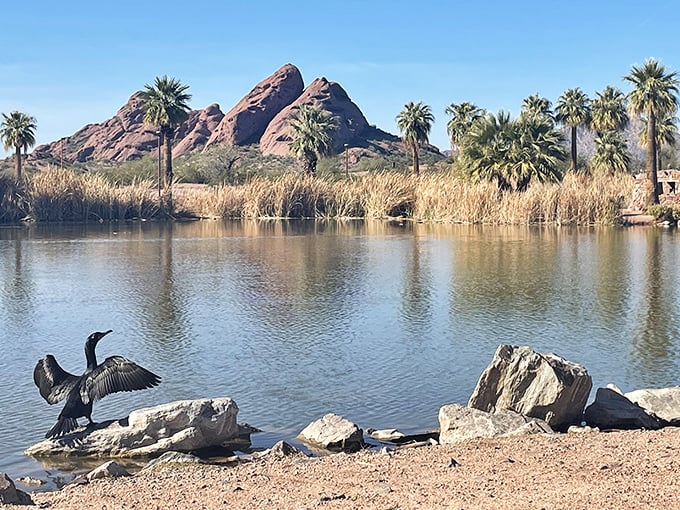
621	469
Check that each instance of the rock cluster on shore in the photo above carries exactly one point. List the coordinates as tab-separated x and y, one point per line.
520	392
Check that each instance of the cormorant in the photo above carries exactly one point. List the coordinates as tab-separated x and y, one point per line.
114	374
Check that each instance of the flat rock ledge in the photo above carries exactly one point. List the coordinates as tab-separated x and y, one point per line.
458	423
181	426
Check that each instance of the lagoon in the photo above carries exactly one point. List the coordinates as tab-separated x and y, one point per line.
381	322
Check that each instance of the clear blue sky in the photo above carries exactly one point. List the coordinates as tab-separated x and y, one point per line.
71	63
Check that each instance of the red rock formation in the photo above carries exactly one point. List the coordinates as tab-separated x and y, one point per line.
246	122
332	97
193	134
125	136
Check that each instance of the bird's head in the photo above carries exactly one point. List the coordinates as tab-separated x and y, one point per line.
94	338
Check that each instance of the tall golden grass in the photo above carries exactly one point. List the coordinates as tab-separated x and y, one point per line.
578	200
66	195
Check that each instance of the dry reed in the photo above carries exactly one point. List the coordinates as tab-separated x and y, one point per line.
65	195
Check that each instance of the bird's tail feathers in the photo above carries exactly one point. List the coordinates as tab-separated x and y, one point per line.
62	427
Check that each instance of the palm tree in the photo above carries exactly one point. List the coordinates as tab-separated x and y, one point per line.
608	111
312	132
462	117
665	134
18	131
536	105
415	122
165	105
513	152
611	154
573	110
654	96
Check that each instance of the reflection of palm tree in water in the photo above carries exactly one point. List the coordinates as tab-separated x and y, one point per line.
164	320
18	289
416	302
652	342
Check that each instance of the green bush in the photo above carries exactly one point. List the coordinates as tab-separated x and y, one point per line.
665	212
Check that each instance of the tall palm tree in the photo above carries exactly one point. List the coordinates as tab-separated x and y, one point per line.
536	105
17	131
573	110
312	132
415	122
165	105
611	154
666	132
462	117
654	96
608	111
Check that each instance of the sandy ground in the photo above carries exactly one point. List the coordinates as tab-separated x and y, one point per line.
616	470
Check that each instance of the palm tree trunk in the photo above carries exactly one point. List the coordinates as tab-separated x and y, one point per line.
168	158
651	158
574	155
17	161
416	162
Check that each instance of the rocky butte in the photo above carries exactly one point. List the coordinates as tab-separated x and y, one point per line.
261	117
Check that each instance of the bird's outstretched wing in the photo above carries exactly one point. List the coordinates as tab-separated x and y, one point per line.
53	381
113	375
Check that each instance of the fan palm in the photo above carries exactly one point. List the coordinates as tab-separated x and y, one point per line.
536	105
513	152
312	130
611	154
654	96
462	117
415	122
608	111
165	105
573	110
666	130
17	131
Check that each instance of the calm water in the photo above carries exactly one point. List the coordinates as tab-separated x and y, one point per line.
380	322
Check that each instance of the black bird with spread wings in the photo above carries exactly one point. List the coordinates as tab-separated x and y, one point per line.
114	374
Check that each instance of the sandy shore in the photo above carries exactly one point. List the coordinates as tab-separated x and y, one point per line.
634	469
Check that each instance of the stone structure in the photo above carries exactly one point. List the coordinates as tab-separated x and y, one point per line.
183	426
663	403
542	386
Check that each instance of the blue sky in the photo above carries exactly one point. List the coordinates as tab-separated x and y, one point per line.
71	63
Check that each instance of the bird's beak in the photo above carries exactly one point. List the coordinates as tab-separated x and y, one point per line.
104	333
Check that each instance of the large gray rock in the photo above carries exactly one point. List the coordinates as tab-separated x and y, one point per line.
661	402
183	426
611	410
542	386
458	423
10	495
333	432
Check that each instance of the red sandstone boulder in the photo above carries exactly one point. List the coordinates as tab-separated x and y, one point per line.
332	97
246	122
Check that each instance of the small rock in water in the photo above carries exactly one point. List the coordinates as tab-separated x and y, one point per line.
385	434
30	481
